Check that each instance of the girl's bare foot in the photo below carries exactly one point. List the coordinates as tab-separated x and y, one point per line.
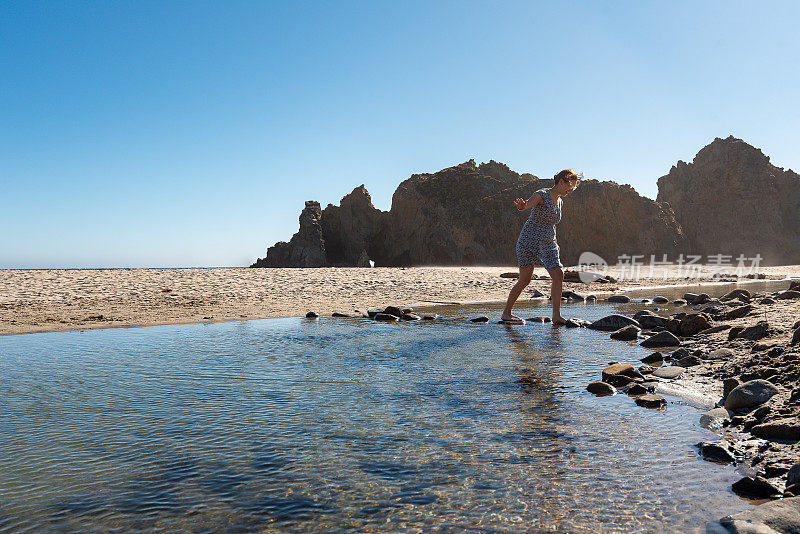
559	320
511	319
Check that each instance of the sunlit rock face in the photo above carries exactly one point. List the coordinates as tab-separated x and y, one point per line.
731	200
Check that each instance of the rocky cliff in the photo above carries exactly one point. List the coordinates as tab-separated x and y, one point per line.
731	200
464	215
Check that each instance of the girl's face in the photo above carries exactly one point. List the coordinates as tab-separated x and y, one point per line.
568	186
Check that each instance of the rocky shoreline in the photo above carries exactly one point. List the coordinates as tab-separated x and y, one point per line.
744	350
738	355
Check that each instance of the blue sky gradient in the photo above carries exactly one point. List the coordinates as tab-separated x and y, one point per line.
150	134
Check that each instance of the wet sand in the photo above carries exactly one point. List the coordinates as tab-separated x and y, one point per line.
62	300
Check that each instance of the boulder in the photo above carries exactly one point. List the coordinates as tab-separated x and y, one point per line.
774	517
793	476
619	298
312	315
393	310
788	429
601	388
728	385
649	320
750	394
689	361
715	417
656	357
613	322
635	390
755	488
737	294
627	333
755	332
723	353
622	369
693	323
669	372
715	451
738	312
651	401
662	339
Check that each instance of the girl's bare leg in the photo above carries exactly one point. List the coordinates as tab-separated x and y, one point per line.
557	277
525	274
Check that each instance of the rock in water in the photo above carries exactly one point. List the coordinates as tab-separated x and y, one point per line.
623	369
338	314
571	295
662	339
410	317
669	372
755	487
656	357
774	517
386	317
312	315
619	298
651	401
481	319
613	322
716	452
393	310
715	417
601	388
750	394
660	300
627	333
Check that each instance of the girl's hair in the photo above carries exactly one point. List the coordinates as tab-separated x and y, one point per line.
567	174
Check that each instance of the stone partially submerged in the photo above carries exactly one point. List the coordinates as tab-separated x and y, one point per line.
775	517
613	322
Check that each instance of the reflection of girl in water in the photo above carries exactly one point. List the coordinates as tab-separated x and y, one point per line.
538	239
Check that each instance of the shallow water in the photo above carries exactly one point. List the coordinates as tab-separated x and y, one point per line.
343	424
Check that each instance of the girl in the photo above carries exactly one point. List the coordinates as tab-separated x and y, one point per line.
538	239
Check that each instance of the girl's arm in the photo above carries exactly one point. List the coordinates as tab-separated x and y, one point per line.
523	205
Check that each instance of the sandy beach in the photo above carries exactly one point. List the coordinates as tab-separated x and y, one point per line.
62	300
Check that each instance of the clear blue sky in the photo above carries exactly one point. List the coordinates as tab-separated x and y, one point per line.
137	133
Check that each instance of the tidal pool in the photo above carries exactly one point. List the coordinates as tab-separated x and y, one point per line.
344	424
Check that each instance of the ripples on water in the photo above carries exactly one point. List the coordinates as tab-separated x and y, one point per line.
340	424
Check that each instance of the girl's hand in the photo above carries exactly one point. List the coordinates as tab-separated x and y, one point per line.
520	203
